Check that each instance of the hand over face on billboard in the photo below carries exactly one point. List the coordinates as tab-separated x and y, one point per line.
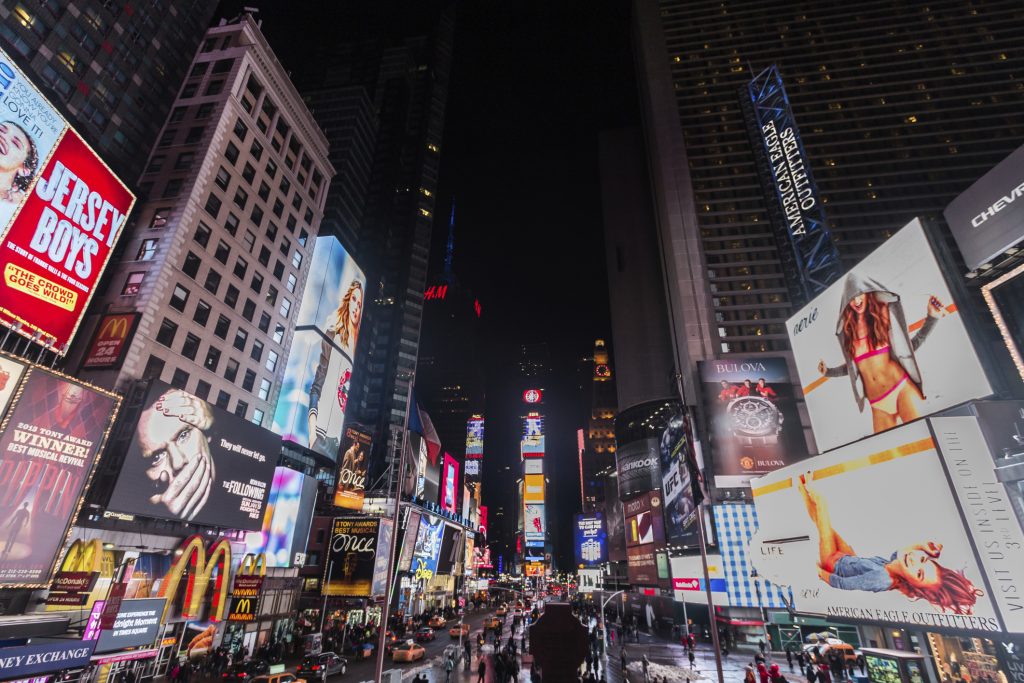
176	452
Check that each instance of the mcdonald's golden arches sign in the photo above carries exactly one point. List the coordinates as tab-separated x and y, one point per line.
110	341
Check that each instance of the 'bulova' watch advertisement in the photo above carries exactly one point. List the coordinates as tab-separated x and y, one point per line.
754	424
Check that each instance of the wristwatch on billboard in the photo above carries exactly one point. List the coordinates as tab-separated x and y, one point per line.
755	421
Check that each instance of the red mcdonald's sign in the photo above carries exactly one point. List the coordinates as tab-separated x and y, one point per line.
111	340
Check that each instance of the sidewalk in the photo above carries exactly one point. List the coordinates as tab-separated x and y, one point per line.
436	673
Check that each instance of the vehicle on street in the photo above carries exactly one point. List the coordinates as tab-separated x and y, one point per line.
492	622
501	611
321	666
407	652
424	634
459	630
436	622
279	678
246	671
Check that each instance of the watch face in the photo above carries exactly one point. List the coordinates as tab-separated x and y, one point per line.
602	371
754	416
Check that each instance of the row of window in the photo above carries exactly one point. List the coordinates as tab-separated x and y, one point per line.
180	378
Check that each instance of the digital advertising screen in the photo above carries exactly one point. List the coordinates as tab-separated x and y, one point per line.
11	371
355	459
136	625
54	433
287	518
590	542
884	345
412	529
62	211
379	585
474	436
451	549
535	524
191	461
639	466
428	547
533	488
677	486
352	556
753	420
449	484
314	396
903	559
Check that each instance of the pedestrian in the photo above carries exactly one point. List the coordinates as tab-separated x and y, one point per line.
448	666
689	654
761	645
800	659
748	675
773	673
789	658
645	663
622	657
823	673
762	672
481	670
811	674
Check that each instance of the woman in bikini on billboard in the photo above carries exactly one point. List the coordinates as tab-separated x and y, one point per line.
913	571
879	351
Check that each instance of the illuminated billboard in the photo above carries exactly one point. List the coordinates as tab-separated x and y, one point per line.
590	543
639	466
287	519
191	461
535	524
349	492
533	425
675	452
645	533
314	395
449	484
474	437
62	211
904	559
427	549
111	340
353	556
755	426
533	488
885	345
54	432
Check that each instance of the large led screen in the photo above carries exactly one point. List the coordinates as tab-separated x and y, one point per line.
639	466
754	424
54	433
62	211
428	547
449	484
904	558
352	556
884	345
590	542
314	395
287	518
535	524
350	490
191	461
675	454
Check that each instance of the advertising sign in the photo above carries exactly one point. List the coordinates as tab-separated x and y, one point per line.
428	547
903	559
645	533
55	431
482	527
753	420
533	466
988	217
475	437
449	484
736	523
533	488
535	525
191	461
639	467
590	580
688	579
675	452
287	518
111	340
311	408
589	540
357	445
29	660
534	569
137	624
614	522
412	529
884	345
1002	423
62	211
533	396
472	470
11	371
380	565
352	556
451	549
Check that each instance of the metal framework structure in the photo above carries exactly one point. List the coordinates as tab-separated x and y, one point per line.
809	255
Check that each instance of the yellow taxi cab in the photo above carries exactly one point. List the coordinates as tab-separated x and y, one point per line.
501	611
407	652
278	678
436	622
459	630
492	622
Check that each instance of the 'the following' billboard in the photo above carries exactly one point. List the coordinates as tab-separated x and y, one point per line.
62	211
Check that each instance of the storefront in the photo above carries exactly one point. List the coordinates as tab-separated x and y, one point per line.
967	660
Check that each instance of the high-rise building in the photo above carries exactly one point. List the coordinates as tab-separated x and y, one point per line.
221	249
112	67
900	107
597	454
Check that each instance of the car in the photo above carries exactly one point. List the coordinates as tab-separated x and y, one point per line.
459	630
501	611
246	671
424	634
321	666
407	652
436	622
492	622
279	678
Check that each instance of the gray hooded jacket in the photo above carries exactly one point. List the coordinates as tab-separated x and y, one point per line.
901	344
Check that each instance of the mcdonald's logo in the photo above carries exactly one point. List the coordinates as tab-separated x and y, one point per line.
243	609
192	557
111	340
115	327
251	564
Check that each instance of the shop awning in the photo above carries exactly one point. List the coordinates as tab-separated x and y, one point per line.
739	622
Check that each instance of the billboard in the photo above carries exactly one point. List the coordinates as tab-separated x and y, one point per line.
428	547
590	580
452	548
677	487
645	533
903	559
614	520
639	467
11	371
474	437
352	556
590	542
449	484
535	524
311	408
191	461
412	528
532	443
352	471
986	219
533	466
379	585
53	435
688	580
136	625
753	420
533	488
110	341
287	519
735	524
62	211
1002	423
884	345
483	520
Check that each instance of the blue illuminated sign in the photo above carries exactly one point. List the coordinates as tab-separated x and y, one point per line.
590	540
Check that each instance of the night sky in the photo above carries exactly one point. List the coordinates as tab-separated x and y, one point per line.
532	85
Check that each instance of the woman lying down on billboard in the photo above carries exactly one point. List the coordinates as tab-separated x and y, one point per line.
913	571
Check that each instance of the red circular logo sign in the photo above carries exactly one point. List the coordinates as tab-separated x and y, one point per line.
532	395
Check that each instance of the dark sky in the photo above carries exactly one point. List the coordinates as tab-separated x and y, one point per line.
532	85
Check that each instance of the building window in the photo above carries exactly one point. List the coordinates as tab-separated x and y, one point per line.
249	240
167	138
184	161
204	111
231	223
241	267
249	380
264	322
212	205
156	163
264	392
231	152
179	298
256	215
257	417
271	168
189	90
249	310
154	368
249	173
194	135
241	408
223	178
222	252
202	389
241	337
231	296
231	371
286	307
223	399
191	346
278	208
297	259
278	334
212	359
179	379
257	350
177	114
264	192
167	332
202	234
263	258
202	314
212	282
292	281
278	270
223	325
241	130
241	197
191	266
133	284
271	363
256	150
271	231
257	282
222	66
147	250
272	295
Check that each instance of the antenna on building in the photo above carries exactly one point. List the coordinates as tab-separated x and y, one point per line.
449	251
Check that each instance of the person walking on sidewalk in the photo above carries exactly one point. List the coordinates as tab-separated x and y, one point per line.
748	675
622	657
789	658
689	653
761	645
646	663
